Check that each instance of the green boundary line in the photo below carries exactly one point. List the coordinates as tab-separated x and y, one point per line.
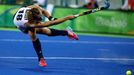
108	35
91	34
9	29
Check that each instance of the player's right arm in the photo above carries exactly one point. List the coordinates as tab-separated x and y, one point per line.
51	23
58	21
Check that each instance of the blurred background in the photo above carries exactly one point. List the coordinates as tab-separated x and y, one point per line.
118	19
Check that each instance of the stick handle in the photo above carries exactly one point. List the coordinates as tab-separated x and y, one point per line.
107	5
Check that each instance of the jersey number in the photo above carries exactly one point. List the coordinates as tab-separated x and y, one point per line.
20	15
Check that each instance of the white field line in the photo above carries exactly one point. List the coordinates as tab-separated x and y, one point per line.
72	58
75	42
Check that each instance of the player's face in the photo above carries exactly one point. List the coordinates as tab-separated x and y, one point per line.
37	17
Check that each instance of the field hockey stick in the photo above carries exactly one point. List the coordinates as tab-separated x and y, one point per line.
107	5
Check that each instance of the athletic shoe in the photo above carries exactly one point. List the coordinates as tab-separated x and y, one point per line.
72	35
42	62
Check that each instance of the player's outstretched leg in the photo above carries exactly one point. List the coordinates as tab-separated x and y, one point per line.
55	32
72	35
67	32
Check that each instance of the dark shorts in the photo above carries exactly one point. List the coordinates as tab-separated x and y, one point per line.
23	29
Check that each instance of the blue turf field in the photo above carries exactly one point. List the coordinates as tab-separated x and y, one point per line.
91	55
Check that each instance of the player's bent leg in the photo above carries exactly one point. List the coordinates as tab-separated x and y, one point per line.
37	47
42	62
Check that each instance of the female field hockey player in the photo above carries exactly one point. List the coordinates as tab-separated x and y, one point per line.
28	20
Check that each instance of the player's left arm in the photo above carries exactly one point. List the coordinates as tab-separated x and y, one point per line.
46	13
43	11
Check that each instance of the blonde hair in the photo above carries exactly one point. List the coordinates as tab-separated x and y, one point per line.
32	14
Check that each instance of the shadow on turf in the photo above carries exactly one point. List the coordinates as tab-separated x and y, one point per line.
54	70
